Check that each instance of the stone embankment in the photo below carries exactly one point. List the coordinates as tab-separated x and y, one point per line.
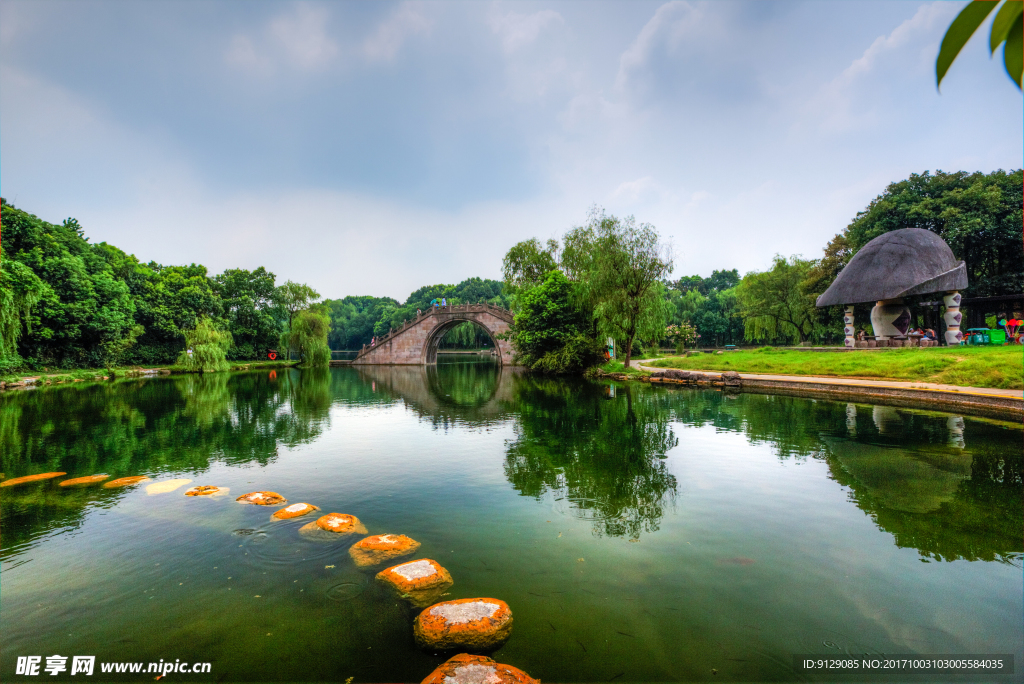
979	401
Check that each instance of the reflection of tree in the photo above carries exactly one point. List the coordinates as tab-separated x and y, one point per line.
145	427
603	455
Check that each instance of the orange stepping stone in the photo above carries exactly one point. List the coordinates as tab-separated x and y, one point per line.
202	491
329	527
262	498
421	582
29	478
125	481
381	548
83	481
477	668
294	511
340	523
474	624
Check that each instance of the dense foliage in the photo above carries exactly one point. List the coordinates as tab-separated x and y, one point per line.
550	332
709	305
70	303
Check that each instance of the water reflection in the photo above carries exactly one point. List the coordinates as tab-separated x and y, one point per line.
943	485
601	452
145	427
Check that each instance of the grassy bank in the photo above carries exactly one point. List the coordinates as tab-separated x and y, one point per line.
998	367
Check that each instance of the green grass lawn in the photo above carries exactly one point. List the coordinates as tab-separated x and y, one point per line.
999	367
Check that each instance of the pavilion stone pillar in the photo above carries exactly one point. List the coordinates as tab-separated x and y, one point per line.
849	330
889	318
953	318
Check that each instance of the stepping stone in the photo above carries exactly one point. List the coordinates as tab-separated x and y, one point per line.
475	624
294	511
166	486
477	669
381	548
262	498
203	491
29	478
84	481
331	526
125	481
421	582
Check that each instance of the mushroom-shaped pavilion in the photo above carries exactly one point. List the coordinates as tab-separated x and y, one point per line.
898	264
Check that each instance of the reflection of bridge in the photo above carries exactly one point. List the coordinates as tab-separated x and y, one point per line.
415	343
461	392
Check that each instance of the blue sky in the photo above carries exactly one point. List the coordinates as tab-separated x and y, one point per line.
373	147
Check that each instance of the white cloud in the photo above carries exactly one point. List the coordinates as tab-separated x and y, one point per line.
849	100
517	31
297	38
674	24
404	22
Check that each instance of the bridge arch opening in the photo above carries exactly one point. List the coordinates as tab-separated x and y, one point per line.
460	330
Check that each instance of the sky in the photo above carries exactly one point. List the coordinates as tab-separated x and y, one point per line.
375	147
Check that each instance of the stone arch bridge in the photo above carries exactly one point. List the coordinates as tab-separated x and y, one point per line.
416	342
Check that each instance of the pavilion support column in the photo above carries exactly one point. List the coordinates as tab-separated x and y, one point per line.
849	330
952	317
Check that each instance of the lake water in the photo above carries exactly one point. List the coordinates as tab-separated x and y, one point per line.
638	533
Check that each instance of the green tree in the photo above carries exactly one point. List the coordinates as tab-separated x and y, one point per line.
528	262
1007	30
626	270
209	348
549	333
774	304
294	297
309	335
249	307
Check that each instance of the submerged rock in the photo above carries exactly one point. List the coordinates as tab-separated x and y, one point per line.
203	491
84	481
381	548
294	511
29	478
421	582
262	498
166	486
125	481
475	624
477	669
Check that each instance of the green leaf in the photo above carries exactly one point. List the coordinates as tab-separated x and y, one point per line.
1013	53
959	32
1007	14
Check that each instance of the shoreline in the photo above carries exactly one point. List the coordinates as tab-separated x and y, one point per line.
978	401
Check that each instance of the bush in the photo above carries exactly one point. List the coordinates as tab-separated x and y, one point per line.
209	348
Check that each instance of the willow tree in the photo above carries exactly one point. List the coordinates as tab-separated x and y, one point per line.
208	346
20	290
624	269
775	304
309	335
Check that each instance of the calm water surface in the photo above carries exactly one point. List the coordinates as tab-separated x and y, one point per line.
638	533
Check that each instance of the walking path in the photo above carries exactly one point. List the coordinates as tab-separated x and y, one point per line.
985	400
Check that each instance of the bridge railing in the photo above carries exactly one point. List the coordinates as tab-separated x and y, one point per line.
499	311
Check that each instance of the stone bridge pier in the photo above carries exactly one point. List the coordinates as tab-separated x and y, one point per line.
416	342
